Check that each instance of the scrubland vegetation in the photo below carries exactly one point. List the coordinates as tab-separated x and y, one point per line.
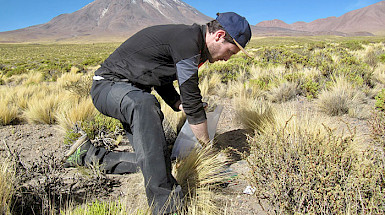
300	161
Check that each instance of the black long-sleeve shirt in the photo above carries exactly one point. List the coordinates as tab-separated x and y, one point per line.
158	55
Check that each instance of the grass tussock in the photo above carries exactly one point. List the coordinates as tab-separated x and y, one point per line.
42	110
8	110
254	115
210	84
285	92
7	179
341	99
34	78
73	112
307	170
199	174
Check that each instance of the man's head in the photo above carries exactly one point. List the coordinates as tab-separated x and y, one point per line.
226	35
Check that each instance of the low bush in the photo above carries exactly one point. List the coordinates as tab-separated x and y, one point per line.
101	124
377	127
310	88
382	58
312	171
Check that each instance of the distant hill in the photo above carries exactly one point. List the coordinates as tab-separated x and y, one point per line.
369	20
108	19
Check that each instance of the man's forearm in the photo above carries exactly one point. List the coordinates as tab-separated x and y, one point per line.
200	132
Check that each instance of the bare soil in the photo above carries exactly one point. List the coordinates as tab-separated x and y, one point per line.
40	148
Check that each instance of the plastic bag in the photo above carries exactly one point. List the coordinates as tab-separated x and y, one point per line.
186	140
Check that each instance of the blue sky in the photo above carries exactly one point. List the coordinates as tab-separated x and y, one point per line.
15	14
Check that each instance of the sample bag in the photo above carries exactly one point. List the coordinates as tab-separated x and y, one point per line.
186	140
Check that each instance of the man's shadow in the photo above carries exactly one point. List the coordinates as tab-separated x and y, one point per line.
234	143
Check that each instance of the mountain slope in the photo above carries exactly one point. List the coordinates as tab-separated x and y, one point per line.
368	19
109	18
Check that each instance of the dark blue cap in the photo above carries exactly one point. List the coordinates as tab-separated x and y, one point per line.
237	26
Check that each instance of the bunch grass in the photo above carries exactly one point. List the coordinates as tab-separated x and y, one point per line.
7	181
199	174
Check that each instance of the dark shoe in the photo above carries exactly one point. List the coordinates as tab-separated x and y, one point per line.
77	152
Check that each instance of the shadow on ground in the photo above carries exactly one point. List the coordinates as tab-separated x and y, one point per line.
234	143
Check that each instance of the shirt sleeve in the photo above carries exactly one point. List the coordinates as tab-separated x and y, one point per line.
169	95
187	72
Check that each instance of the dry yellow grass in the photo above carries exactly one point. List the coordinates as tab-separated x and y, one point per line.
7	179
34	78
68	78
22	94
8	110
74	111
198	174
342	98
271	72
209	84
379	73
284	92
253	114
42	110
303	166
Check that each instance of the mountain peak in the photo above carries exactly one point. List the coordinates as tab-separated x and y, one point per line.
110	18
273	23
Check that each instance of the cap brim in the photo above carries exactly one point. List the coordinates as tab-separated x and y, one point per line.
242	49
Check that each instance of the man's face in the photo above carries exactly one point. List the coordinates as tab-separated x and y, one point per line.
220	49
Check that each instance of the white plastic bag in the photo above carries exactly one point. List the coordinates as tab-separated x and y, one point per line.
186	140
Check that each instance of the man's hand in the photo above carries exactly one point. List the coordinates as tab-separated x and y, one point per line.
200	132
178	105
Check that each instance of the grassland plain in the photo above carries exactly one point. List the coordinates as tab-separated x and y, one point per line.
303	124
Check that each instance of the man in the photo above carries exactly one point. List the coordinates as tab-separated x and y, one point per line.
152	59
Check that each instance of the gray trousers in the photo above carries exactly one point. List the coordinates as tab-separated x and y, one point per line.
141	116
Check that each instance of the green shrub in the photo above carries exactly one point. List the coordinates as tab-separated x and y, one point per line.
352	45
101	124
310	88
316	45
230	69
99	208
382	58
70	137
380	100
293	76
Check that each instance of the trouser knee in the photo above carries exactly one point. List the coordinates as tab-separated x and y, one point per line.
143	106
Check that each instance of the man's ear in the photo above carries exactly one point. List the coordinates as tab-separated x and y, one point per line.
219	34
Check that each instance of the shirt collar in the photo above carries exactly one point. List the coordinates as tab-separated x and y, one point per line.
205	54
